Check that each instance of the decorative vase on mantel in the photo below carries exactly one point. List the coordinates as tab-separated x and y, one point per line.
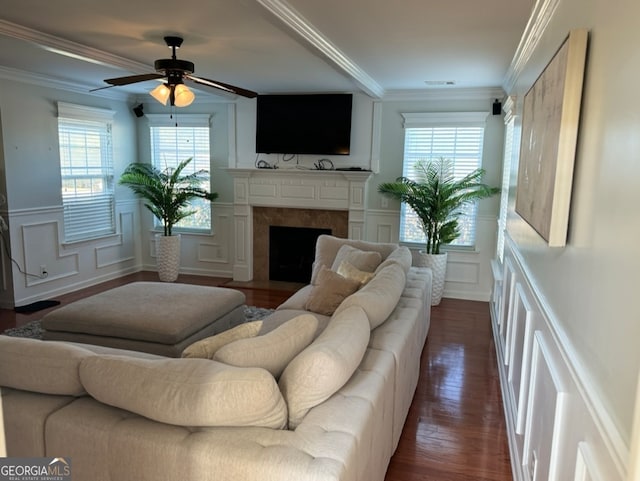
168	256
438	265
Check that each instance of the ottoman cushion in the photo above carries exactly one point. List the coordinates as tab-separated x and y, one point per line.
155	312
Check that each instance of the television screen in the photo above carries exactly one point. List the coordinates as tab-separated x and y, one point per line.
304	124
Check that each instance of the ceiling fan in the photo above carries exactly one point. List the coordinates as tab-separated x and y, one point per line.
175	72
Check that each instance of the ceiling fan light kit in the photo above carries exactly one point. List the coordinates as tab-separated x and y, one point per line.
175	72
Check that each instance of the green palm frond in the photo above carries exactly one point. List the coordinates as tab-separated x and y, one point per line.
167	193
438	199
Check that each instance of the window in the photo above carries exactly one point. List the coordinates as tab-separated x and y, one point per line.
509	139
457	136
86	168
170	145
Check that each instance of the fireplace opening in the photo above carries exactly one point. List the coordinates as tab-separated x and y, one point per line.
291	252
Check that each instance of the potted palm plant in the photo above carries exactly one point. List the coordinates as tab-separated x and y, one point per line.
438	199
167	194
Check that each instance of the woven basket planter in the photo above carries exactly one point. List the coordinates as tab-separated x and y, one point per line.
168	257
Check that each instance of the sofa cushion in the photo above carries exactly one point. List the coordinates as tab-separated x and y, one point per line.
402	256
348	270
186	392
49	367
379	297
207	347
271	351
329	292
327	247
326	365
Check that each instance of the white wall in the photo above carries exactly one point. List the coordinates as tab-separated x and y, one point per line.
203	253
31	175
468	272
587	289
30	163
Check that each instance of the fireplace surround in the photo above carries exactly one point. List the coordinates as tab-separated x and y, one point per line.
308	196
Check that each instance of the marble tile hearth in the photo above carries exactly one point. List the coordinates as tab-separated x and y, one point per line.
264	217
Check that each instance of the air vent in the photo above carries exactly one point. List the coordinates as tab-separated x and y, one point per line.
440	83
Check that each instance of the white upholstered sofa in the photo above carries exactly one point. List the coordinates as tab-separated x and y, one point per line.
333	411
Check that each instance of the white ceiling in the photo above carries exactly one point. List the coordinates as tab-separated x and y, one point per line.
269	46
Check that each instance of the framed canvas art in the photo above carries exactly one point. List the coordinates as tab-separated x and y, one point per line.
550	120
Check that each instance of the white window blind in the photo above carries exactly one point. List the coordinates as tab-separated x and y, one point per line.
171	144
455	136
86	167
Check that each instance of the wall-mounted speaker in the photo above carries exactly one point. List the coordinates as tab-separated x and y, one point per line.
138	111
497	107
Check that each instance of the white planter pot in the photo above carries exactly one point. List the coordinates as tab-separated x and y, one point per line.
438	265
168	257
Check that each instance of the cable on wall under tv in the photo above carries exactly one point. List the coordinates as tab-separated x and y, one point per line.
263	164
324	164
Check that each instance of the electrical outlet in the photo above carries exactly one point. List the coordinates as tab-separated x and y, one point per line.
43	271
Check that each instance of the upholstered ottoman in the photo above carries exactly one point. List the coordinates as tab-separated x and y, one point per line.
155	317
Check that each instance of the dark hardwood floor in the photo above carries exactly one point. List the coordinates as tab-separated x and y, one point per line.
455	429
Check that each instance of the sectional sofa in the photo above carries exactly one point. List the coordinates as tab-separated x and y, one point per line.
318	391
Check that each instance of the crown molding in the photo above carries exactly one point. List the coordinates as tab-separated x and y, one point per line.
76	50
294	20
21	76
540	17
479	93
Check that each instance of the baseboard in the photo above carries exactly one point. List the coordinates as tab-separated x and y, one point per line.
74	287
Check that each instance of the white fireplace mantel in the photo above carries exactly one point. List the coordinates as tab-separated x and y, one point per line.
292	188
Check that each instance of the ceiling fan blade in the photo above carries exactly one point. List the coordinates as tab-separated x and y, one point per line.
222	86
134	78
102	88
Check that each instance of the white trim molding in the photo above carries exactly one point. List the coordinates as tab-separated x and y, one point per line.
568	433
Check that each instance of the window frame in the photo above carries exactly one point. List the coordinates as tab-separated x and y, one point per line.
84	209
446	120
190	121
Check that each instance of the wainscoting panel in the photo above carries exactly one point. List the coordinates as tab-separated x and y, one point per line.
468	271
586	470
546	416
41	247
37	240
556	428
124	248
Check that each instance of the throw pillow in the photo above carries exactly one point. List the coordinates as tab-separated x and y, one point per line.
273	350
207	347
186	392
329	292
350	271
326	365
364	260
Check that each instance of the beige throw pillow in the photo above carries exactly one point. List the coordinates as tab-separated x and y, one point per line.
207	347
273	350
364	260
329	292
350	271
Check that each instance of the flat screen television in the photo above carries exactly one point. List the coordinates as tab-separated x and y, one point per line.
304	124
